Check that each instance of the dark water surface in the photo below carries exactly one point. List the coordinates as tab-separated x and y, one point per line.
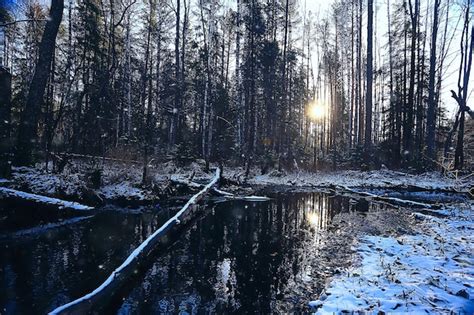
239	257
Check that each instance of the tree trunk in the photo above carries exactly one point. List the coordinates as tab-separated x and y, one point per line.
408	126
174	128
431	113
368	99
359	108
5	114
463	94
27	136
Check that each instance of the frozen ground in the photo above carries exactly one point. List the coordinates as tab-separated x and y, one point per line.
424	272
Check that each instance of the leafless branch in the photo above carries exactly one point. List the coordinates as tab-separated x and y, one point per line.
24	20
124	12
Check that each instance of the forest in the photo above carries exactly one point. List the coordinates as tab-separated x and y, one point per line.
329	142
271	84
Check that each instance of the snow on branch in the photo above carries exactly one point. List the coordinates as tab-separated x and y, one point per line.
86	302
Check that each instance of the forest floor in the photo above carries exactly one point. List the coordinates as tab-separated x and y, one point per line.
428	268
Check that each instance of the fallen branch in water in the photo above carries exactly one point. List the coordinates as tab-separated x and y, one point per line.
247	198
222	193
391	200
86	303
12	194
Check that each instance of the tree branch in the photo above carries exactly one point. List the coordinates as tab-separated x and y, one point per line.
124	12
24	20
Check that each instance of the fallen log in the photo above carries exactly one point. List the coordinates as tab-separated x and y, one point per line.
221	193
88	302
391	200
8	194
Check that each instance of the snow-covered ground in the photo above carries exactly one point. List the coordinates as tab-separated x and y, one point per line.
379	178
429	271
124	180
118	180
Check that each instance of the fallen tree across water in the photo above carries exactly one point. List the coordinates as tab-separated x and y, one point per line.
8	194
391	200
106	290
219	192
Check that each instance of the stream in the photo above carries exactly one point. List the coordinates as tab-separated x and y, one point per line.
237	257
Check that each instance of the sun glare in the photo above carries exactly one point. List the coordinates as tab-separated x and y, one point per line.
313	218
316	110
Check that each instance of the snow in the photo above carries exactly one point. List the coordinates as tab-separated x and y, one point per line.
123	180
61	204
392	199
134	255
122	190
251	198
42	183
432	271
376	178
120	180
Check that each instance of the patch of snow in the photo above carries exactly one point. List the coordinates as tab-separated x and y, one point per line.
428	272
122	190
42	183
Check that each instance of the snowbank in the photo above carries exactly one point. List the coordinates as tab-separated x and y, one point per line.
426	272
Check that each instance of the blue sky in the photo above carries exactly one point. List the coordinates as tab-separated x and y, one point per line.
6	3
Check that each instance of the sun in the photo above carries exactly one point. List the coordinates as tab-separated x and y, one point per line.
316	110
313	219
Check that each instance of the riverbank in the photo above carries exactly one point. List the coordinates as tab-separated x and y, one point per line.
97	182
429	269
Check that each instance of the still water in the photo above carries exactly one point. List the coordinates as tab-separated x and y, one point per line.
239	257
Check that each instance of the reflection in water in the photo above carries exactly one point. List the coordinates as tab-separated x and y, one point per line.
41	272
241	257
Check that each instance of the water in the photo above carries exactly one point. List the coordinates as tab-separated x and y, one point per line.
239	257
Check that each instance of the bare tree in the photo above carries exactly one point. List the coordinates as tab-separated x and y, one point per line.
368	98
27	136
431	113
